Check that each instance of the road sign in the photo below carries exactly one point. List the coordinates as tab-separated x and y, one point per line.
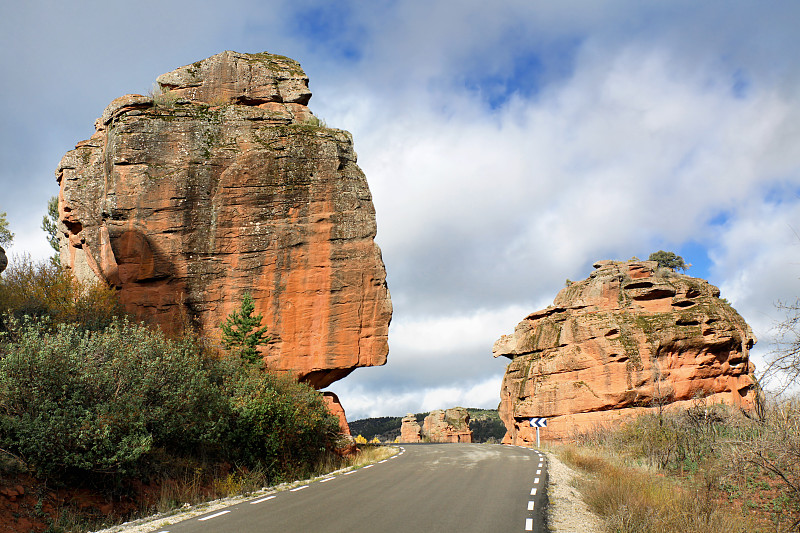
538	422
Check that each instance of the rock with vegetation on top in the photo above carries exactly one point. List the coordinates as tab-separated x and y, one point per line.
631	338
223	184
451	425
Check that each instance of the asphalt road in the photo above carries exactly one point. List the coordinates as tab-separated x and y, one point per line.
426	488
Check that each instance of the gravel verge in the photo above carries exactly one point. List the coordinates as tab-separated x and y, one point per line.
567	512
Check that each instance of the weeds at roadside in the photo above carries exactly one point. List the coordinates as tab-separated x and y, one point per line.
708	468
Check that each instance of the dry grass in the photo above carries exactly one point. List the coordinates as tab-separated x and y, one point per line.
708	468
636	500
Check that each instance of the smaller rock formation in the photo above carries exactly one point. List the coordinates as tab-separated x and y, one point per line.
410	430
3	259
336	409
451	425
629	339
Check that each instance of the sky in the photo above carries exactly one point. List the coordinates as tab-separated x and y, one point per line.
508	146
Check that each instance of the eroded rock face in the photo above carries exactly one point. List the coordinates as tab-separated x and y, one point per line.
335	407
225	184
451	425
410	430
628	339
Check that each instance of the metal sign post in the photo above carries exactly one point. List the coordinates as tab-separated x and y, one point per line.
538	423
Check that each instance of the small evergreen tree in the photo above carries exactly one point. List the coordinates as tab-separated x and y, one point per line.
241	331
669	260
5	234
50	226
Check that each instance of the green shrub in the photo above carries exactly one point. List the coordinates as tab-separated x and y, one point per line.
118	401
278	423
100	401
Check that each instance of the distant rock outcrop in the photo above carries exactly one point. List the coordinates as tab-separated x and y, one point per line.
226	183
451	425
410	430
630	338
3	259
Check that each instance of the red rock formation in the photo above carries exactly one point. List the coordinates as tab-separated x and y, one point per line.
451	425
630	338
410	430
224	184
335	407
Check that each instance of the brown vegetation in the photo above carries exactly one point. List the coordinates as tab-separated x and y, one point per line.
704	469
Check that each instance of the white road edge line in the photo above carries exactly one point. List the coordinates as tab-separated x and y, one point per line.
299	488
530	505
533	491
262	500
350	472
538	472
327	479
529	524
212	516
536	481
369	466
381	462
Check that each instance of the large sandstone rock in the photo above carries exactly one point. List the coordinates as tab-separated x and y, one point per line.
629	339
225	184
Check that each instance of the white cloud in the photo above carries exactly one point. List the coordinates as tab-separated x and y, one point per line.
362	401
625	128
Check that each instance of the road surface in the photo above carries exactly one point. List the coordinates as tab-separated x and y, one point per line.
425	488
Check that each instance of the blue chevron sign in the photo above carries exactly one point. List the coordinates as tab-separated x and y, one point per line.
538	422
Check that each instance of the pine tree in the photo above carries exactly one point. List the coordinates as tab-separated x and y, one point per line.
241	331
5	234
50	226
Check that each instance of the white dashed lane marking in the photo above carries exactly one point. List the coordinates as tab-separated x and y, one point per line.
536	481
350	472
530	505
538	472
529	524
209	517
262	500
299	488
533	491
327	479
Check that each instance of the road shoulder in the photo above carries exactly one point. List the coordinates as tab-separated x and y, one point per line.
567	512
